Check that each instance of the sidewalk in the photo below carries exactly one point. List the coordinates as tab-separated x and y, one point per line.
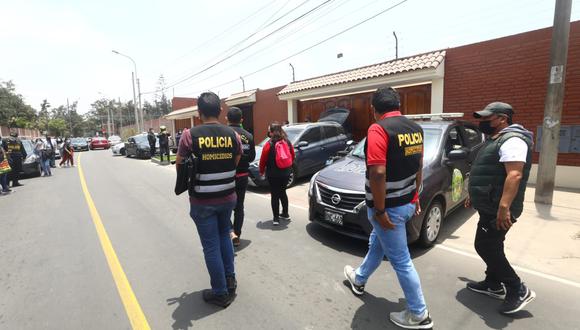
545	238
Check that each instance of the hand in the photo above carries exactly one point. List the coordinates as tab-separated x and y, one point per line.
417	207
467	202
385	221
504	218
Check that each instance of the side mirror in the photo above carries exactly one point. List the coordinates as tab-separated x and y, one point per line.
458	154
349	143
302	144
342	153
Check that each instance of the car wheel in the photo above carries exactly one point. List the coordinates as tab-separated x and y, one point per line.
431	224
292	177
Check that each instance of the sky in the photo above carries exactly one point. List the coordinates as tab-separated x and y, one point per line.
62	49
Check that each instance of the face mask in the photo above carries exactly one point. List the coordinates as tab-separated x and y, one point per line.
486	128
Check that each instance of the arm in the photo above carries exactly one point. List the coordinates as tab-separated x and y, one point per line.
239	150
418	183
252	153
264	158
514	171
378	184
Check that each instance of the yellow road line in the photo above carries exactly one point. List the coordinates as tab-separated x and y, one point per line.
132	307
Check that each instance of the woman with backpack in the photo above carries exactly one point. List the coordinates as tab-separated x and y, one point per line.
276	163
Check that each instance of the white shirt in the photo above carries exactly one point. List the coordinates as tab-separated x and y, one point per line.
513	150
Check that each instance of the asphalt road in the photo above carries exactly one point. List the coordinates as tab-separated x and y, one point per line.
54	273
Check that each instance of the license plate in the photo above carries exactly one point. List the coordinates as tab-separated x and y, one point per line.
334	218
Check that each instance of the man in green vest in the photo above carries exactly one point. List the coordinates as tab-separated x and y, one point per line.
496	190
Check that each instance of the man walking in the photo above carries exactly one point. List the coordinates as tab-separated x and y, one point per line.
217	150
497	186
394	156
163	143
242	171
50	144
152	139
16	154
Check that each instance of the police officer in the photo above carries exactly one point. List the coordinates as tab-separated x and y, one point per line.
217	150
394	156
242	172
163	143
16	154
497	185
152	139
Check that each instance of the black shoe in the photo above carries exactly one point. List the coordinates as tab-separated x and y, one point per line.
232	285
236	241
276	221
284	217
493	290
17	184
223	300
516	300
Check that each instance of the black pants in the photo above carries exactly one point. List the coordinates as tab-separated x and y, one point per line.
278	194
14	175
489	245
163	150
152	150
241	186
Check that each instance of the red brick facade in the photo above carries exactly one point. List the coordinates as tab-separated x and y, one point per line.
513	69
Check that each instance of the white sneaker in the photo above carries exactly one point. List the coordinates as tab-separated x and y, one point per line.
408	320
350	275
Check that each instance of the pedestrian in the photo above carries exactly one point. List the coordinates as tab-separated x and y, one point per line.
152	139
45	156
51	145
394	174
5	171
217	150
67	154
276	163
497	185
38	146
235	121
163	143
16	154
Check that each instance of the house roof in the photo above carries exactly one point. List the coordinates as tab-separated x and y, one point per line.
242	98
407	64
182	113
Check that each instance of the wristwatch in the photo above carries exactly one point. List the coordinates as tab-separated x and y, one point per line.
379	212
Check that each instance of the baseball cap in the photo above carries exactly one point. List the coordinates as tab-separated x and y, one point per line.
495	108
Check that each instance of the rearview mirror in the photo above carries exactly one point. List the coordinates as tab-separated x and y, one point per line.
458	154
302	144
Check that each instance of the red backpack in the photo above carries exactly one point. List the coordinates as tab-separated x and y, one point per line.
283	155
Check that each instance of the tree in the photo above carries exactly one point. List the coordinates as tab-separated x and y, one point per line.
44	115
58	127
13	110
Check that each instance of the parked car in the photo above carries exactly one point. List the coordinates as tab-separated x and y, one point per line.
337	193
138	146
30	165
79	144
118	149
99	143
313	144
114	139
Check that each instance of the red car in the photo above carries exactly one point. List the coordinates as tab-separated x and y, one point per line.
99	143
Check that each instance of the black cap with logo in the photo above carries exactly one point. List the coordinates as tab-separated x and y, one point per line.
495	108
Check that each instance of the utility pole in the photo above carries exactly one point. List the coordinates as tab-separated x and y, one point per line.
135	104
108	120
293	76
396	46
140	107
554	101
120	116
69	116
243	84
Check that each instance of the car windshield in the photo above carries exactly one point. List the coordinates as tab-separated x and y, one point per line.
291	132
27	146
141	139
78	140
430	142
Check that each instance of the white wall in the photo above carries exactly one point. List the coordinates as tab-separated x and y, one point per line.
566	176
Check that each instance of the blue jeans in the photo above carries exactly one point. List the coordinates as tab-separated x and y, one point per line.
4	182
214	226
45	165
393	244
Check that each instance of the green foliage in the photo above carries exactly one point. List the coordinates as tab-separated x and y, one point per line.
58	127
14	111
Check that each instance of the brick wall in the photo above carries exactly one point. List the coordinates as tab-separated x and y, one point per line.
513	69
267	109
182	102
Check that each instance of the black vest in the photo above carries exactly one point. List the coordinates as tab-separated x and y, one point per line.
248	149
404	154
215	147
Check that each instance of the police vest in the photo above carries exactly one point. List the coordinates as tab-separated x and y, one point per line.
247	144
404	154
488	174
215	147
14	147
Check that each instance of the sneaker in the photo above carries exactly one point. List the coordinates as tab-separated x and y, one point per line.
493	290
232	285
276	221
517	300
408	320
350	275
236	241
223	300
284	217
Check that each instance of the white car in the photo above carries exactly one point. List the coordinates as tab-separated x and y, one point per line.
114	140
118	149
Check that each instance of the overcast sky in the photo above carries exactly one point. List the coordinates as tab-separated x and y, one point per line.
63	49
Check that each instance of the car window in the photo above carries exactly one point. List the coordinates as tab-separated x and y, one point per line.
332	131
453	140
431	137
312	135
472	136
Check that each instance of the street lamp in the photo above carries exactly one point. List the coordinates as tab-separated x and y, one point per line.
138	109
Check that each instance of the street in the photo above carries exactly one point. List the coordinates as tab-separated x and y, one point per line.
55	274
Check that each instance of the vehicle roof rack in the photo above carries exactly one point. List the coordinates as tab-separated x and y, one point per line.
436	116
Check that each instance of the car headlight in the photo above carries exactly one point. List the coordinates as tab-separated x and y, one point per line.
311	185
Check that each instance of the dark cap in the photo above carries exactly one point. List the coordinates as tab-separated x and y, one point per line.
495	108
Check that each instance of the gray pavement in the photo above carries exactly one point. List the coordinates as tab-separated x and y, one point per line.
54	275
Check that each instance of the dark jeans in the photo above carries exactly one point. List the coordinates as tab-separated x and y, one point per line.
213	226
489	245
163	150
278	194
152	150
4	181
241	186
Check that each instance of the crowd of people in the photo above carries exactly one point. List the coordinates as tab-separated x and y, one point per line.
221	155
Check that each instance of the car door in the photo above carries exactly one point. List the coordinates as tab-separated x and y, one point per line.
309	155
334	140
473	141
457	169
